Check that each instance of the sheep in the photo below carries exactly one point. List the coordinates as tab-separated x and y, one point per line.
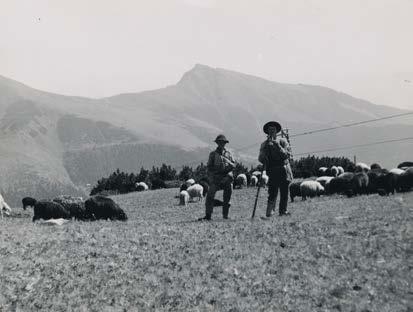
190	182
101	207
334	171
264	180
405	164
375	166
141	186
295	189
396	171
254	180
195	190
339	184
361	167
256	173
74	205
183	198
324	180
376	180
45	209
340	170
358	184
240	181
322	171
4	206
311	189
405	180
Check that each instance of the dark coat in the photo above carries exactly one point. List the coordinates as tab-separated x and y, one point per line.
101	207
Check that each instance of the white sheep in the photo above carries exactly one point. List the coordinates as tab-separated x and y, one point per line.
256	173
264	179
189	182
324	180
254	180
183	198
4	206
362	167
311	189
195	190
141	186
340	170
241	180
396	171
334	171
322	171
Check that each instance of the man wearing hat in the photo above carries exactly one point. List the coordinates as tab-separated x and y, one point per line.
220	176
274	154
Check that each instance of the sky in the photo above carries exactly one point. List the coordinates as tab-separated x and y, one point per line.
98	48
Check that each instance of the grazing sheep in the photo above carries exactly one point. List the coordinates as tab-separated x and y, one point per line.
361	167
240	181
101	207
340	170
183	198
340	184
195	190
4	206
256	173
396	171
358	184
405	164
45	209
295	189
74	205
311	189
324	180
264	180
375	166
322	171
141	186
405	180
334	171
254	180
376	180
190	182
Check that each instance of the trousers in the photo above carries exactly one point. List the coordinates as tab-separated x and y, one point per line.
224	184
277	181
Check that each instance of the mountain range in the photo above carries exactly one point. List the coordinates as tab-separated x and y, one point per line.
53	144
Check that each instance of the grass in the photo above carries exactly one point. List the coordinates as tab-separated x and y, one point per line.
332	254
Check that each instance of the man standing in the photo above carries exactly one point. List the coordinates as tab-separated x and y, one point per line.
274	155
220	176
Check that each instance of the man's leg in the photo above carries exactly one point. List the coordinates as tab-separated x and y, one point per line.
227	188
272	193
209	202
283	195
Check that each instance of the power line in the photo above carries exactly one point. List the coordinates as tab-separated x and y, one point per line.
354	146
351	124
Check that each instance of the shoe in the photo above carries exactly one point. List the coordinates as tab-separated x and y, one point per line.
206	218
285	214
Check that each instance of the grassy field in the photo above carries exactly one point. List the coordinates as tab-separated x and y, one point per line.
332	254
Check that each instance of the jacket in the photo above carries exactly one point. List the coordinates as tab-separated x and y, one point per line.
274	154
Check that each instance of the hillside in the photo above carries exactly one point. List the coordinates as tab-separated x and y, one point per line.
52	143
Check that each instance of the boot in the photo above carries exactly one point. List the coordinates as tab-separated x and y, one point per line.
270	208
225	210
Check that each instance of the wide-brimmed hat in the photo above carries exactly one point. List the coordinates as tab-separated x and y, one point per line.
221	137
271	124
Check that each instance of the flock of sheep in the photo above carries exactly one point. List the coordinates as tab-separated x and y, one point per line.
364	180
68	207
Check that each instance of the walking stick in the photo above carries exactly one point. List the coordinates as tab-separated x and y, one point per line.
258	192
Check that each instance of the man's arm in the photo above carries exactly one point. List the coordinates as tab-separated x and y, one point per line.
262	157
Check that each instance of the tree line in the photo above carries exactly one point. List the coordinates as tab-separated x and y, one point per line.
165	176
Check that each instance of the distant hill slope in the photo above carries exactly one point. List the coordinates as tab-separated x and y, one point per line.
57	144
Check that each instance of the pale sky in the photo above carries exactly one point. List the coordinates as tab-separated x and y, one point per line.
98	48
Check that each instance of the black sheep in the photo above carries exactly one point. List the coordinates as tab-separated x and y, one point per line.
405	164
358	184
405	180
101	207
75	207
295	189
45	209
339	184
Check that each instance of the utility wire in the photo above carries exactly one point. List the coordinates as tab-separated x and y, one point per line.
354	146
